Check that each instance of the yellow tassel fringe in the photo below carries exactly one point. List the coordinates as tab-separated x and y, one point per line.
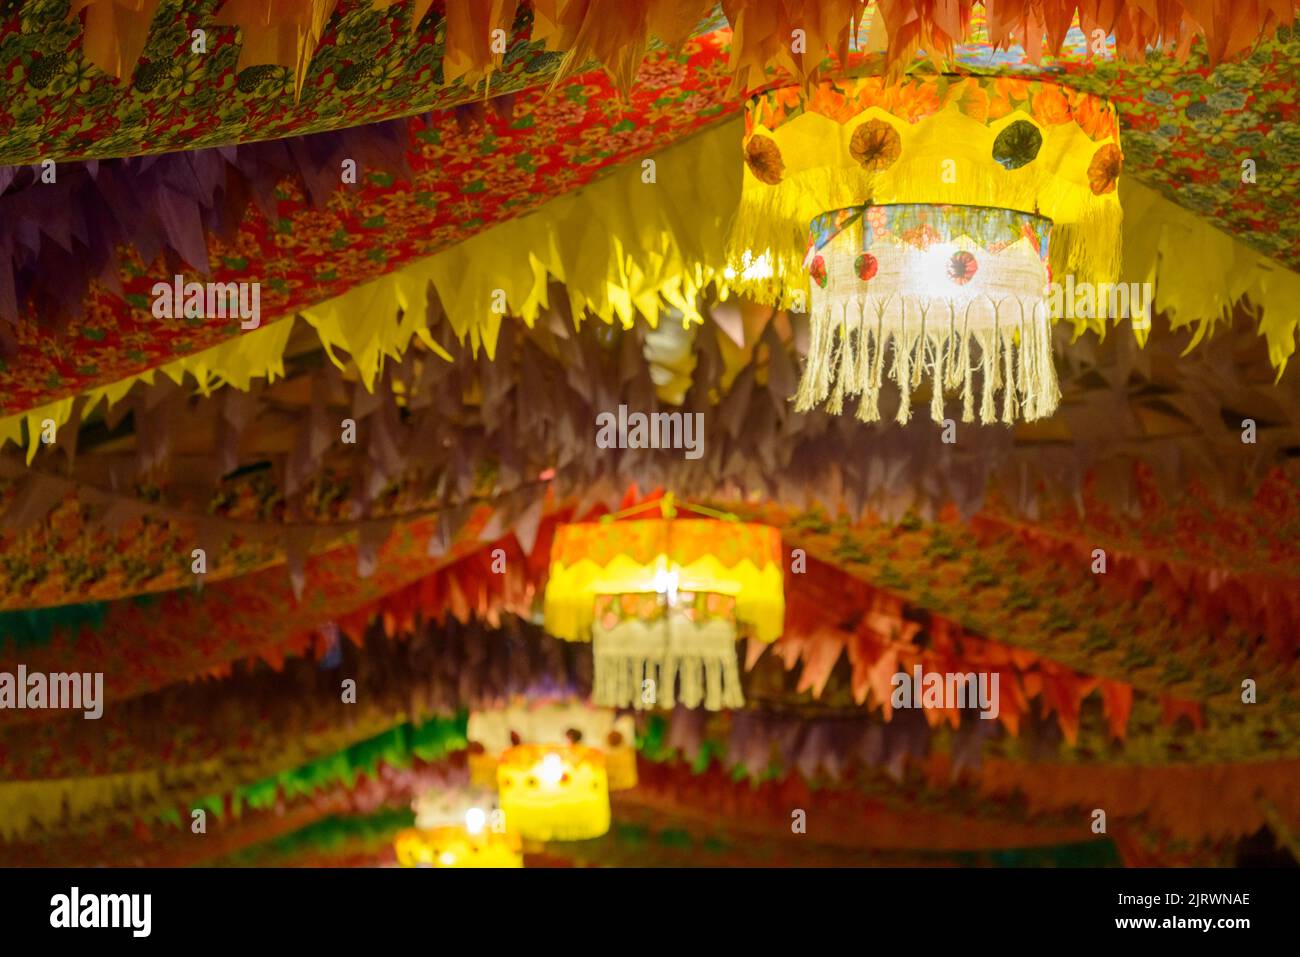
850	344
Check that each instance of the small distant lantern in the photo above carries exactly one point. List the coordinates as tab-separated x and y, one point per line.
557	723
457	847
554	793
458	828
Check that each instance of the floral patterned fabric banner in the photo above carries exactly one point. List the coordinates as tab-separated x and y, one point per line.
462	182
98	78
56	238
1034	687
97	804
371	64
253	615
1198	122
1186	127
438	667
1008	594
1186	547
1179	801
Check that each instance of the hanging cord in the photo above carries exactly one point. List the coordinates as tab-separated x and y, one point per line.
668	506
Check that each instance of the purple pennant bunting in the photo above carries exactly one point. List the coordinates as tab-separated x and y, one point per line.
55	238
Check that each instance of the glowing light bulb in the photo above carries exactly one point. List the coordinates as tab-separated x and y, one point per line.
447	859
475	820
753	268
665	583
552	770
936	260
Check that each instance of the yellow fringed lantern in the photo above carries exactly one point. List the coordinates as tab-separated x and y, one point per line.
998	142
663	602
950	290
458	827
457	846
555	723
967	157
553	793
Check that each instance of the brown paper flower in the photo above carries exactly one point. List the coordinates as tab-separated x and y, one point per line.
764	159
817	269
866	266
962	267
1103	171
875	145
1017	145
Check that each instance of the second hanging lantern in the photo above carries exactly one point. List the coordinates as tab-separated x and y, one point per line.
663	602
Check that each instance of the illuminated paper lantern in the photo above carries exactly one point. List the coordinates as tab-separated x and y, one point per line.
943	293
968	157
555	723
663	602
998	142
457	846
551	793
458	827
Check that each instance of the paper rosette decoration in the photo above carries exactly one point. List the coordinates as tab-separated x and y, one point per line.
554	793
457	846
663	602
950	290
553	723
999	142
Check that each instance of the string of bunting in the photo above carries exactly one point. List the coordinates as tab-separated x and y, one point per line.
1195	281
289	33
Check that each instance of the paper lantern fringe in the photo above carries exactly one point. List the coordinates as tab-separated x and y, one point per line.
701	655
850	341
708	679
